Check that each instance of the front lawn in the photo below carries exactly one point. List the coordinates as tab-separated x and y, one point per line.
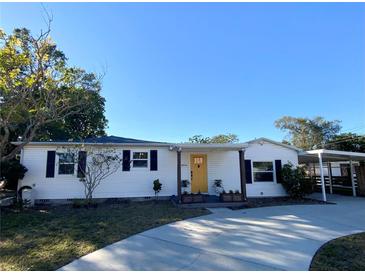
345	253
48	239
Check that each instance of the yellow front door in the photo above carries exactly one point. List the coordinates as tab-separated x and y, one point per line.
198	169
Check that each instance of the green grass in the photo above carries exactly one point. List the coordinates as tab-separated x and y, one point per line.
48	239
345	253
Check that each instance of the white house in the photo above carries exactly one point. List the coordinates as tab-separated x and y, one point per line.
253	168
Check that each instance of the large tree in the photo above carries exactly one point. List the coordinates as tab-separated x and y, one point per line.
41	94
308	133
91	122
217	139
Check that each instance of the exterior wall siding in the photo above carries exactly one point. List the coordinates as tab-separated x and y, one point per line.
268	152
138	182
135	183
223	165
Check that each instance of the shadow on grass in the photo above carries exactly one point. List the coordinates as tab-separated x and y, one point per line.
46	239
342	254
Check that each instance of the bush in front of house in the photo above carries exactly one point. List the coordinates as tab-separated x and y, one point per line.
12	170
218	186
83	203
157	186
295	182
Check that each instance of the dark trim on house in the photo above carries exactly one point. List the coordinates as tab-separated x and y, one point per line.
81	166
248	171
126	165
278	167
178	154
51	160
242	173
154	162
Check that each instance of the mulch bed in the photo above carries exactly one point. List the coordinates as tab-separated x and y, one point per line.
278	201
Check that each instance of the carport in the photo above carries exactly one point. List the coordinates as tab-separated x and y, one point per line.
323	155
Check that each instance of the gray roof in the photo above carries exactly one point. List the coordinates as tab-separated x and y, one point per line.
116	140
110	140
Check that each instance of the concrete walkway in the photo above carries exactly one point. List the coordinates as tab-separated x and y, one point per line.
270	238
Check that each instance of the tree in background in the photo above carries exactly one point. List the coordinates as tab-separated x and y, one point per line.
218	139
347	142
199	139
308	133
40	94
91	122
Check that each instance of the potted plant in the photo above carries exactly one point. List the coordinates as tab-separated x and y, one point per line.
218	186
185	184
186	198
237	196
198	198
226	197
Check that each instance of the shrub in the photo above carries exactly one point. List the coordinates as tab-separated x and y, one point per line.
185	183
218	186
157	187
78	203
294	181
81	203
12	171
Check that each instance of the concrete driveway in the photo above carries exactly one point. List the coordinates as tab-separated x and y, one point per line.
270	238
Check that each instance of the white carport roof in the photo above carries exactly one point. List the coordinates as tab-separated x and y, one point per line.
311	156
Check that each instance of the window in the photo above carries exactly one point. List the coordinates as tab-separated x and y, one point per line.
140	159
263	171
198	160
66	163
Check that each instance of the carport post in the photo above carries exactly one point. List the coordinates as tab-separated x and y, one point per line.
178	154
322	177
352	179
330	176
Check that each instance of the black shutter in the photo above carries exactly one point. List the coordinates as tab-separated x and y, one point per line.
279	176
248	172
51	159
126	160
153	158
81	167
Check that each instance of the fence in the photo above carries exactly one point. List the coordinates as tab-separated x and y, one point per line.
340	184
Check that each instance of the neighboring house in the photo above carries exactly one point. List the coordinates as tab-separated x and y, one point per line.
253	168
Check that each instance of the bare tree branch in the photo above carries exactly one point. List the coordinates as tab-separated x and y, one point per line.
100	164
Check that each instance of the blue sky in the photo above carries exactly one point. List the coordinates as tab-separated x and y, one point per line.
174	70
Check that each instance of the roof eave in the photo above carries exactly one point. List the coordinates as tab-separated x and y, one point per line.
89	144
276	143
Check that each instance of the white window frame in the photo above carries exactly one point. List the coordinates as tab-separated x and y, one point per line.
59	163
273	171
147	159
